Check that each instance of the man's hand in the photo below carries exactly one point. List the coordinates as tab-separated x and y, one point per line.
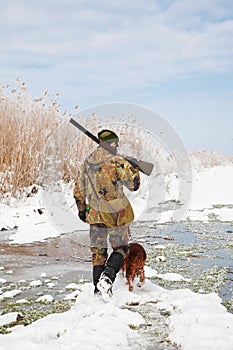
133	161
82	215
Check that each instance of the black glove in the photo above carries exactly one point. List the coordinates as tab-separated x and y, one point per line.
82	215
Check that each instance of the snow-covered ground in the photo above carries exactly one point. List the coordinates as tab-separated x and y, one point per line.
49	214
195	320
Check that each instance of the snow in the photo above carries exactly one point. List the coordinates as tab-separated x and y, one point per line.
72	296
72	286
49	214
22	301
8	318
36	283
45	299
194	321
204	319
173	277
10	294
212	194
212	186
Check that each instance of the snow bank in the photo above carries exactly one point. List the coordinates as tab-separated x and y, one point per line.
49	214
196	321
8	318
37	218
212	194
88	325
199	321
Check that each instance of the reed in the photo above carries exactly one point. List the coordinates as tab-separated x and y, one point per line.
40	147
25	126
38	144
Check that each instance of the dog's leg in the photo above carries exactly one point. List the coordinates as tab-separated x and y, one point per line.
141	273
130	275
123	268
130	282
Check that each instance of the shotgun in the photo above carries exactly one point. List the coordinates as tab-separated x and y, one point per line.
144	167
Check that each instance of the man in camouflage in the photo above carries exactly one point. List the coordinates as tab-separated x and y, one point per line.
101	179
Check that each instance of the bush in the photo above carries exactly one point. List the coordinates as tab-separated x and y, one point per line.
206	159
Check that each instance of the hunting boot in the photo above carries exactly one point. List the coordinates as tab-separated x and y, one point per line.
108	276
97	271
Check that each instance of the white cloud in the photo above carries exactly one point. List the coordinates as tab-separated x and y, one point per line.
114	44
120	32
183	13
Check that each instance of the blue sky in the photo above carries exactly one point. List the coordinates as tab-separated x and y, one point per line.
174	57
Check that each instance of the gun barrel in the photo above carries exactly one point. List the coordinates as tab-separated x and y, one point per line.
144	167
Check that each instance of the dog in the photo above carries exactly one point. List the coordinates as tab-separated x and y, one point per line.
133	265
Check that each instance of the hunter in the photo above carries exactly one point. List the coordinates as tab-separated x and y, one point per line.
101	203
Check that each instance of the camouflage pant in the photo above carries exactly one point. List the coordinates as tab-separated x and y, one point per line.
99	235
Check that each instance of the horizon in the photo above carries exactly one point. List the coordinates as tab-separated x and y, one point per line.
172	57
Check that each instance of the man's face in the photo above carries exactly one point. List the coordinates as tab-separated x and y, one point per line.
114	144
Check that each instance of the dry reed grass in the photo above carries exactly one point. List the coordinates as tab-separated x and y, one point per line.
39	145
25	128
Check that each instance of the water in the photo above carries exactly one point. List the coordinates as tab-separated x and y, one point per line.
62	261
202	252
194	249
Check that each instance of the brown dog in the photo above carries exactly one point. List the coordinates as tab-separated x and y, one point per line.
134	265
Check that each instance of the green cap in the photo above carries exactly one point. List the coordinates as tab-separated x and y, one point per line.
108	136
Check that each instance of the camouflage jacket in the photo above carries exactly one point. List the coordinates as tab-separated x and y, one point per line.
103	175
